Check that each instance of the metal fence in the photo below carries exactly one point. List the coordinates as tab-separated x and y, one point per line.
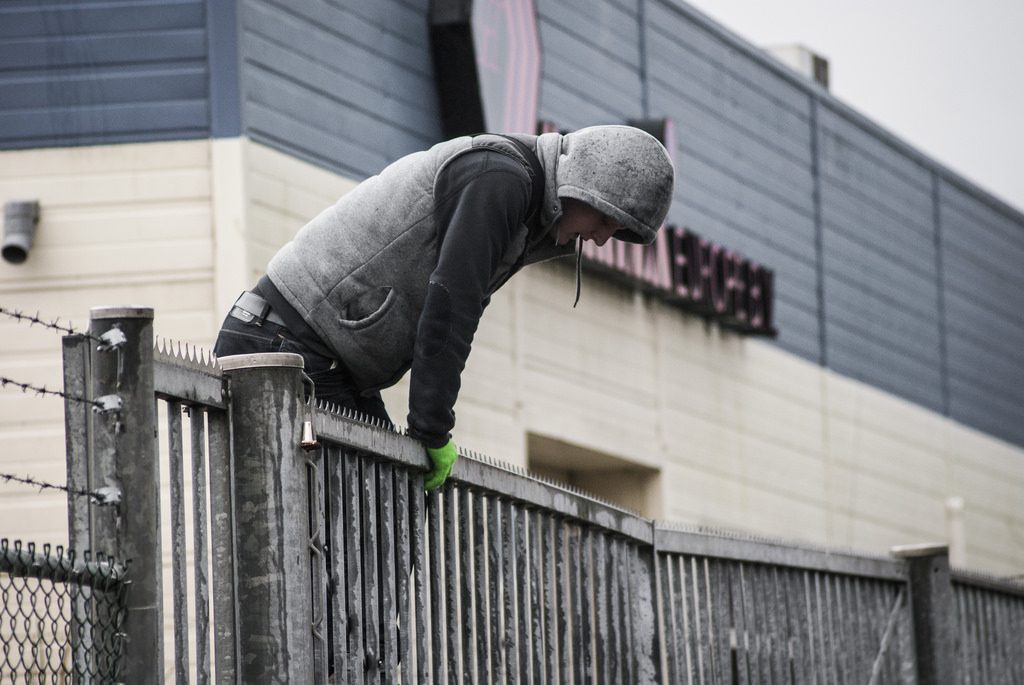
318	556
60	617
989	630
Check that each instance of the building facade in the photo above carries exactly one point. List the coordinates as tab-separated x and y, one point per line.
174	146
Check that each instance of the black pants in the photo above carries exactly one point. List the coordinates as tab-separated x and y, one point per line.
332	381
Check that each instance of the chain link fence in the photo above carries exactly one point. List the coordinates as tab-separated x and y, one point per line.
60	617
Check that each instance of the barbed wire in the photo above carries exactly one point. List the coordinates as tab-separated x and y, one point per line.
37	320
106	496
103	405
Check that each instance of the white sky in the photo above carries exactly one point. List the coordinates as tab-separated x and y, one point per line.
947	76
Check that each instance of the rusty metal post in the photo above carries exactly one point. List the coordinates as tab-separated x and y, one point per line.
931	606
125	468
272	519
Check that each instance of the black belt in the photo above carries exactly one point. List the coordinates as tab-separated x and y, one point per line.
251	308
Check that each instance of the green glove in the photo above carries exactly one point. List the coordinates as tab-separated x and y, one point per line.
443	458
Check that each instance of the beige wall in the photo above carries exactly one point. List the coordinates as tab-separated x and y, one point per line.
742	434
120	224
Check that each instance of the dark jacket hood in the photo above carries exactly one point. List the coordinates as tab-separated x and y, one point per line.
619	170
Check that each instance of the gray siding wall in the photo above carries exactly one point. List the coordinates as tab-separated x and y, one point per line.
889	268
983	294
82	73
348	85
743	159
879	263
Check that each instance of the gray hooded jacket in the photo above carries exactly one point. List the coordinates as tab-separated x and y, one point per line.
361	273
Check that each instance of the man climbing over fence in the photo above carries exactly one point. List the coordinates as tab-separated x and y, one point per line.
396	274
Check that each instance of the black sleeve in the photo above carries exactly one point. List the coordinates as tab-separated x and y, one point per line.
483	199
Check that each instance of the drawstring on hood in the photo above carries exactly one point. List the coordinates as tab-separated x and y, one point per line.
621	171
579	270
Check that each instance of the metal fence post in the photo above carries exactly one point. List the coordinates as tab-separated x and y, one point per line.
124	460
272	519
931	606
647	636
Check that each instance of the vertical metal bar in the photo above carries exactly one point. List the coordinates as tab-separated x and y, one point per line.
124	456
494	579
809	614
222	537
602	629
821	629
77	421
563	574
982	637
179	596
435	546
1000	664
644	636
672	605
482	583
197	443
78	444
756	620
720	620
334	459
800	661
371	571
620	652
353	525
690	617
316	480
771	613
997	662
587	609
271	500
537	593
403	570
451	583
740	622
809	635
417	524
523	595
550	553
574	558
702	593
469	578
835	628
849	624
962	649
508	580
389	599
1016	619
780	630
861	643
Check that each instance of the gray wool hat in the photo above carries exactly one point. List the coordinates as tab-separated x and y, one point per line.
621	171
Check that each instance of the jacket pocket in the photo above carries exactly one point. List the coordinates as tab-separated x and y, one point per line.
367	308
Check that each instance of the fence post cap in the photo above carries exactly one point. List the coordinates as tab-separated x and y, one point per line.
260	360
121	312
922	549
